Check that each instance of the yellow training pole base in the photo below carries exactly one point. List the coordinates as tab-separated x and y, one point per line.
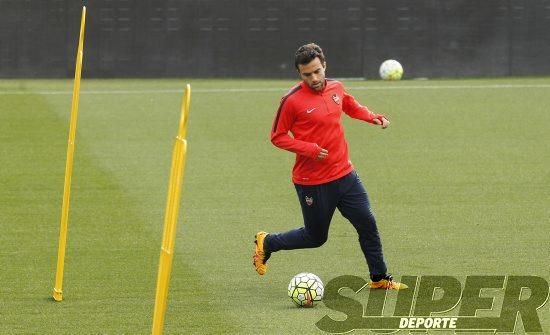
57	295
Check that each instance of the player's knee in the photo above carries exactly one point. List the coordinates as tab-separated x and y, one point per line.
316	240
364	220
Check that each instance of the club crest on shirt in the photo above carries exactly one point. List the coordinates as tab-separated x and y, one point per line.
309	200
336	98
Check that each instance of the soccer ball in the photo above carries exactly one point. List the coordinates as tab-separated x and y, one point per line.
306	289
391	70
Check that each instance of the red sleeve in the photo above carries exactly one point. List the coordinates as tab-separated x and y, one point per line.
355	110
284	121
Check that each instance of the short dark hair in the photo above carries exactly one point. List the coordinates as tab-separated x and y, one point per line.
308	52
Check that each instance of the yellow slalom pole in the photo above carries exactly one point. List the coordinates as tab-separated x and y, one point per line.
177	172
58	289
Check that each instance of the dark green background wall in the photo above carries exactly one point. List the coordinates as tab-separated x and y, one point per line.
257	38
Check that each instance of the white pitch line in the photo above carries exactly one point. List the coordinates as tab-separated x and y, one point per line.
268	89
435	87
167	91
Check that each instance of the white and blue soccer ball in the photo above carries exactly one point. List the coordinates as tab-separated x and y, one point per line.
391	70
306	289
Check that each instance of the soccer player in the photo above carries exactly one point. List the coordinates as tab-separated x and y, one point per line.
323	175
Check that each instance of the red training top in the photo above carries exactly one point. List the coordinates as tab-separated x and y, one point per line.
313	119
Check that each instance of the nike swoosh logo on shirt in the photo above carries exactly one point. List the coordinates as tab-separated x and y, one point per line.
310	110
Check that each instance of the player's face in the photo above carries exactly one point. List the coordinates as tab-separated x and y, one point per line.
313	74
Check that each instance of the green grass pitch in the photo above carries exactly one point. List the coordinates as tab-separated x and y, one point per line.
460	185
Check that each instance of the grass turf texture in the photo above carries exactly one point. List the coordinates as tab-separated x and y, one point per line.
459	184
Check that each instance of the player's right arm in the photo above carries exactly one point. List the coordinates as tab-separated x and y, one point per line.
283	125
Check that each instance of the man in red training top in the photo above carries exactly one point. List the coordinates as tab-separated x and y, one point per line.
323	174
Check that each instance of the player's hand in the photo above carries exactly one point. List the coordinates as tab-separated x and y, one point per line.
385	123
323	154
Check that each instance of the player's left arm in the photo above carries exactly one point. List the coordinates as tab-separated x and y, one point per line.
355	110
